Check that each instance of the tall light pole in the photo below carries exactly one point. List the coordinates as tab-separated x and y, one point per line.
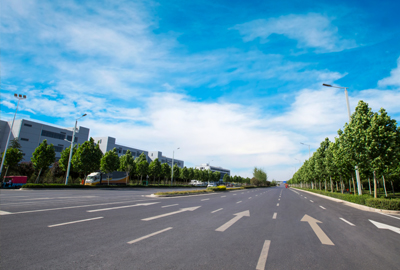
172	171
308	149
348	112
71	150
19	97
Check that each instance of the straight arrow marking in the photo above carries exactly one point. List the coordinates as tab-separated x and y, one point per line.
119	207
172	213
317	230
233	220
385	226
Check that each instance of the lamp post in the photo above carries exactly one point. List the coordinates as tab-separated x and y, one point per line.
348	112
19	97
71	150
308	149
172	171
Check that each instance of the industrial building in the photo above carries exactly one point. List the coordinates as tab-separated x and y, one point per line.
207	166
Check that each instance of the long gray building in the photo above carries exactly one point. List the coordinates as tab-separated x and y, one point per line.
30	134
163	159
206	166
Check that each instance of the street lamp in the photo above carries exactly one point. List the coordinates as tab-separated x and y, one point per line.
71	150
308	149
19	97
172	171
348	112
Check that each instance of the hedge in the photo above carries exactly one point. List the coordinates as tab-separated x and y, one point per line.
219	188
391	204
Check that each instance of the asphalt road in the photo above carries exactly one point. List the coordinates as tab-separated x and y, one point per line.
270	228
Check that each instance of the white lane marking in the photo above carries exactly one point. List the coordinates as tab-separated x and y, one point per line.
389	215
233	220
71	207
239	201
149	235
263	256
120	207
317	230
305	197
50	198
311	201
217	210
169	205
256	195
348	222
277	204
172	213
242	193
279	199
249	198
274	216
322	207
234	194
72	222
205	199
385	226
4	213
223	196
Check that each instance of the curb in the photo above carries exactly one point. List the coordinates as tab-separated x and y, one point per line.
354	205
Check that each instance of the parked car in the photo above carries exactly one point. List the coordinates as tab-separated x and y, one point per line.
212	185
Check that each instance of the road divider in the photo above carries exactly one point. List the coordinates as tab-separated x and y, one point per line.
149	235
233	220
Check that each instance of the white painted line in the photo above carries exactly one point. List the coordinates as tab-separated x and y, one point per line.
149	235
348	222
169	205
239	201
217	210
256	195
249	198
172	213
120	207
71	207
305	197
385	226
234	194
223	196
322	207
233	220
274	216
389	215
277	204
279	199
263	256
72	222
4	213
205	199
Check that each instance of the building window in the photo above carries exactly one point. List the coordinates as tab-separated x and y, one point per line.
69	138
24	139
58	149
28	125
124	151
54	135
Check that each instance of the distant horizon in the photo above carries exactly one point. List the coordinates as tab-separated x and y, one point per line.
239	83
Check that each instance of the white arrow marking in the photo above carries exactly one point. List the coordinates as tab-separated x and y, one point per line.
385	226
4	213
317	230
172	213
119	207
233	220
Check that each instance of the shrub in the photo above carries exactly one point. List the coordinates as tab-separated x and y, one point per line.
391	204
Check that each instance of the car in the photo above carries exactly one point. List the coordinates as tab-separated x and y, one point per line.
211	185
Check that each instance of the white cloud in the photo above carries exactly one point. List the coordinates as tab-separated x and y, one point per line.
311	31
393	79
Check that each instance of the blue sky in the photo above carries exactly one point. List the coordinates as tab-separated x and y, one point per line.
237	83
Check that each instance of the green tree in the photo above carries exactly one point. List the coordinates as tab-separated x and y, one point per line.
127	164
260	175
191	173
13	157
141	158
177	172
165	171
184	173
43	156
155	169
87	158
216	176
226	178
142	168
63	162
109	163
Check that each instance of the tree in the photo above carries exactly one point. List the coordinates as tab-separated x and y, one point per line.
184	173
260	175
216	176
226	178
109	162
155	169
141	158
142	168
63	162
165	171
191	173
127	164
177	171
43	156
87	157
13	157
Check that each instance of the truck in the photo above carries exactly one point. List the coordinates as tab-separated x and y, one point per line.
99	178
14	181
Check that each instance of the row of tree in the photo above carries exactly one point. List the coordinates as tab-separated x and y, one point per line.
371	141
88	157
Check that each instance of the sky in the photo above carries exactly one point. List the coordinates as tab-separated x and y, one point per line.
237	84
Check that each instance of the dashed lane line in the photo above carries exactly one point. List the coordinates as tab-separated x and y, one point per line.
274	216
348	222
322	207
169	205
205	199
149	235
277	204
239	201
311	201
223	196
72	222
262	260
216	210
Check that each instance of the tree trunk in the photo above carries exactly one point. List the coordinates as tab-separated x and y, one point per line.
331	183
349	186
336	187
391	182
369	184
375	194
354	183
37	179
326	189
384	185
341	184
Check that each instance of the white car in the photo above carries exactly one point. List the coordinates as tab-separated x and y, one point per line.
211	185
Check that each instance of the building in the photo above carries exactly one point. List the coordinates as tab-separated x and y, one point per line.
163	159
109	143
207	166
31	134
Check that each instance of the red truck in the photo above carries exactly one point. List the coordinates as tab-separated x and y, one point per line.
14	181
